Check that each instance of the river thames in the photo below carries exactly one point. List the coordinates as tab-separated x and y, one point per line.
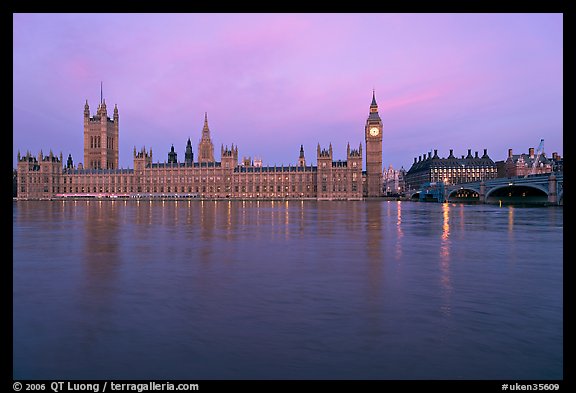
286	290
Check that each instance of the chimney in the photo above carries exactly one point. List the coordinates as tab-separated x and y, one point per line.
469	153
531	152
429	155
555	156
476	154
509	153
415	160
451	153
435	153
419	158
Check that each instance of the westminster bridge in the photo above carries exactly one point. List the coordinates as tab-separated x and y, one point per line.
535	189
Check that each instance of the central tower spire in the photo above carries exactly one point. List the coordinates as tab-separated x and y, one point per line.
205	146
205	129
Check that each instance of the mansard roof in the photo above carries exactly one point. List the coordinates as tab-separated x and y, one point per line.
431	163
529	160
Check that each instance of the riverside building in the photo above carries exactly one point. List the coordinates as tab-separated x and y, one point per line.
48	177
450	170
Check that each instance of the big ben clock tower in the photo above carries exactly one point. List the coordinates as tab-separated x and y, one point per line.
373	135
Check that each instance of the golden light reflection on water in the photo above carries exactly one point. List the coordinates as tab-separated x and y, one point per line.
286	219
229	217
445	261
301	217
511	234
399	231
511	221
445	227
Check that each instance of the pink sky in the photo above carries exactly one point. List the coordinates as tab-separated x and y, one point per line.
271	82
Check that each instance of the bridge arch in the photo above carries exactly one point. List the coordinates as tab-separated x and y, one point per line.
523	193
463	194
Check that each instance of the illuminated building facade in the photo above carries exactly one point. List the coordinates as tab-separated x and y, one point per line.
47	177
450	170
523	164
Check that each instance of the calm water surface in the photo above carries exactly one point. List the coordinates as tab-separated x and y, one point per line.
296	290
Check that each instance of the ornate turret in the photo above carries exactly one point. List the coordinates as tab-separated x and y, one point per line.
229	157
301	159
188	155
142	159
172	156
103	111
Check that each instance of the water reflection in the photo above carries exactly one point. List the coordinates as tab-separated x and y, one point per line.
399	231
374	233
445	260
286	220
304	289
101	263
511	235
511	221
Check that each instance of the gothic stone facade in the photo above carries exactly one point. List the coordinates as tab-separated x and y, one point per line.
46	177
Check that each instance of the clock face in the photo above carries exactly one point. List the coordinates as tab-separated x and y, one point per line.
374	131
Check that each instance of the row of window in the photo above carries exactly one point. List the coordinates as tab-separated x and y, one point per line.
256	176
96	142
197	179
339	188
183	189
464	169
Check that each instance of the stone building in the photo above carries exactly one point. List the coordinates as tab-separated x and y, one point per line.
557	163
521	164
450	170
373	137
46	177
393	181
101	138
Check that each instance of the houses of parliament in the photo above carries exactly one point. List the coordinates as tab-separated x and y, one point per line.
48	177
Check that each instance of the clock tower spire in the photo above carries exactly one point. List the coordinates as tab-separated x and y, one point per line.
373	136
